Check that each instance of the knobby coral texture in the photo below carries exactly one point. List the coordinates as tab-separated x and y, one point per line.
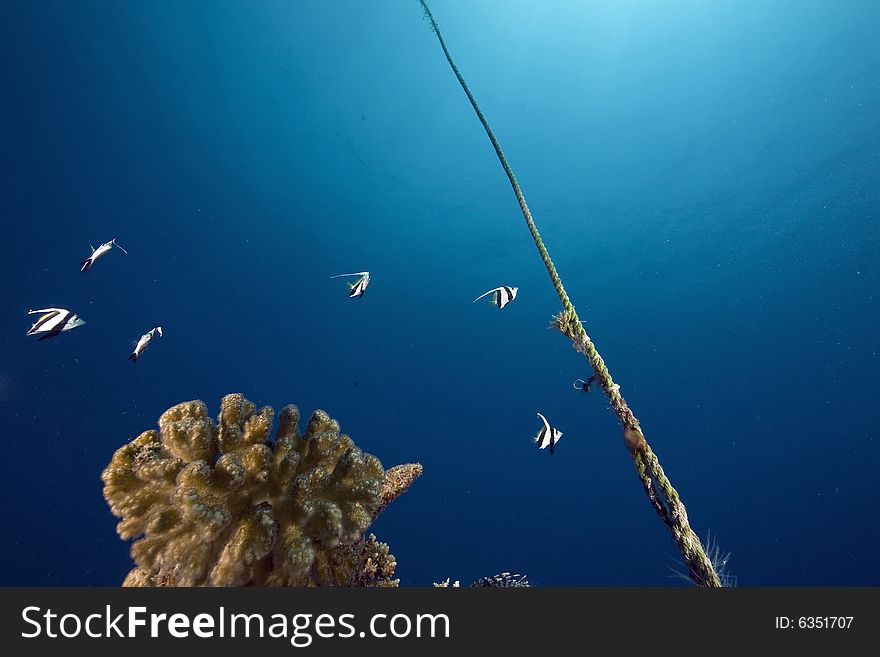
220	504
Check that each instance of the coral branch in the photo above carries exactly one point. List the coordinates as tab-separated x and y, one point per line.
397	481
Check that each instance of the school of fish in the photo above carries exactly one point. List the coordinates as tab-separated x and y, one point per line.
54	321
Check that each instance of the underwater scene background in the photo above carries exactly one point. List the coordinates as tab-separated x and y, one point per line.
705	176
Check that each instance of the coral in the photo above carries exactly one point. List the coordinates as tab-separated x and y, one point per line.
501	580
397	481
377	565
222	505
504	580
446	584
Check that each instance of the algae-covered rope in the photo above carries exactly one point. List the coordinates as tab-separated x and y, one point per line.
662	495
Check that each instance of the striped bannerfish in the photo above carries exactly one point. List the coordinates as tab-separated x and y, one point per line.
502	295
357	288
97	253
53	322
503	580
547	435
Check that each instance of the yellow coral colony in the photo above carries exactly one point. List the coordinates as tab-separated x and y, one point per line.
221	505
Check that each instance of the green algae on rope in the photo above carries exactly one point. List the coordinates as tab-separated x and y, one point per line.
662	495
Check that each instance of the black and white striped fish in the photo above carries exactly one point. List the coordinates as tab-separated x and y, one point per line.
144	342
97	253
503	580
547	436
53	322
502	295
357	288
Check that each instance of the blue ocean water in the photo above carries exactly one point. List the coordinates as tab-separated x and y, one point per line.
705	176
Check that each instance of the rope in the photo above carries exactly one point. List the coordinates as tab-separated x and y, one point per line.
660	491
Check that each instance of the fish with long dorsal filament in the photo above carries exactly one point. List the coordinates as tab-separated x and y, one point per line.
144	342
502	295
54	321
548	436
357	288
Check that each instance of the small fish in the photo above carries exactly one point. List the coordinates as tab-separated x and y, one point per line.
53	322
143	343
97	253
357	288
547	435
583	386
503	295
503	580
